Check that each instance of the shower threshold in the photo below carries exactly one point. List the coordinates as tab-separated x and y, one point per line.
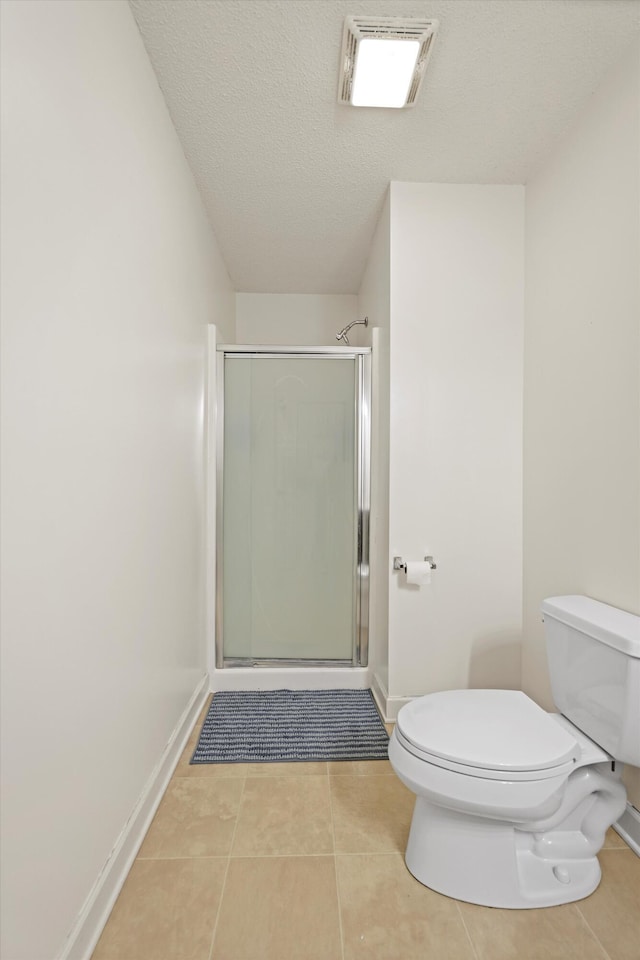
286	676
283	662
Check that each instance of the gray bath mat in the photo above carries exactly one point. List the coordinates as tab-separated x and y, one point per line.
266	726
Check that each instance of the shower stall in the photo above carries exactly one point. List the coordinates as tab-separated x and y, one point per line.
292	510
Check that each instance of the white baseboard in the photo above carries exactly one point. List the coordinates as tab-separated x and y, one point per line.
82	938
394	705
389	706
628	826
379	692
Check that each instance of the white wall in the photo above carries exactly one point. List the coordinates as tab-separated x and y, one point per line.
582	369
109	275
456	434
304	319
374	301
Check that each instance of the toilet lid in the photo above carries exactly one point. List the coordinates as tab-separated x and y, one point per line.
490	729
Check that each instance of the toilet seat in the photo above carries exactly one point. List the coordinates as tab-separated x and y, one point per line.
493	734
515	799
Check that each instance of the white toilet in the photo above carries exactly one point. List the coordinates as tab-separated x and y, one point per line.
513	802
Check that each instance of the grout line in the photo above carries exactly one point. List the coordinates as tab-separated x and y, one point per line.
373	853
208	856
263	856
605	955
280	856
466	930
335	864
216	777
250	776
361	776
281	776
215	922
226	873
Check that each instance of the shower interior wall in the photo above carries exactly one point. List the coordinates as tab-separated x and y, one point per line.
301	319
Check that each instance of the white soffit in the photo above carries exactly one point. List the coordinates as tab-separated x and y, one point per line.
294	181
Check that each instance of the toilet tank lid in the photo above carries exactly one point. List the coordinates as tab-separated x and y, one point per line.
616	628
493	729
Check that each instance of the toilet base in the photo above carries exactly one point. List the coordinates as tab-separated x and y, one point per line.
490	862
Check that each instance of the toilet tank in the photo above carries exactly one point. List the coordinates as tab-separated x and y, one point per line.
594	662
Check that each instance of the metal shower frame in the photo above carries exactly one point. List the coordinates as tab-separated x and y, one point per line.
362	420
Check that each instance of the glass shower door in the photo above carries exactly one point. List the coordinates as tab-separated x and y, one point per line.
289	508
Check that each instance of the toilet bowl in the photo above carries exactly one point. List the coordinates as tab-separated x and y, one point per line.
513	802
512	815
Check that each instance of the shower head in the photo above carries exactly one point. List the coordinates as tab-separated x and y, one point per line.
343	333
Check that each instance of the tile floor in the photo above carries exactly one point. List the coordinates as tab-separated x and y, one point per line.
304	861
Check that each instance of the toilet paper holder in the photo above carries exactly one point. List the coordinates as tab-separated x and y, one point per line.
400	564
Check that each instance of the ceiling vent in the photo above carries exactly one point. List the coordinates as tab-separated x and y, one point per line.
384	60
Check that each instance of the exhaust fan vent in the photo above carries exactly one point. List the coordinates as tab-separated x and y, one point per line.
418	35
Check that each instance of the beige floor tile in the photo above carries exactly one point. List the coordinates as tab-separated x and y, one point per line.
553	933
312	769
279	909
284	816
370	814
389	727
613	840
361	768
166	911
388	915
203	771
196	818
613	910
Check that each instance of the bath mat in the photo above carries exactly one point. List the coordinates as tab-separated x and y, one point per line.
267	726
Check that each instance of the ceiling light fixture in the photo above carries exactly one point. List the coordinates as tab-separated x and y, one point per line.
384	60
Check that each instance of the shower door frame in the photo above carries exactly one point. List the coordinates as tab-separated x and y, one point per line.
362	421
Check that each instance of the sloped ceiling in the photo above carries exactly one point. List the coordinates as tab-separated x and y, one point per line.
293	181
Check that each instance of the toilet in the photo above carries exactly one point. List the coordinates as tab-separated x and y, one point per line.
512	802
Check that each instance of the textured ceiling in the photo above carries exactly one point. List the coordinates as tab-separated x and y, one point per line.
294	182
